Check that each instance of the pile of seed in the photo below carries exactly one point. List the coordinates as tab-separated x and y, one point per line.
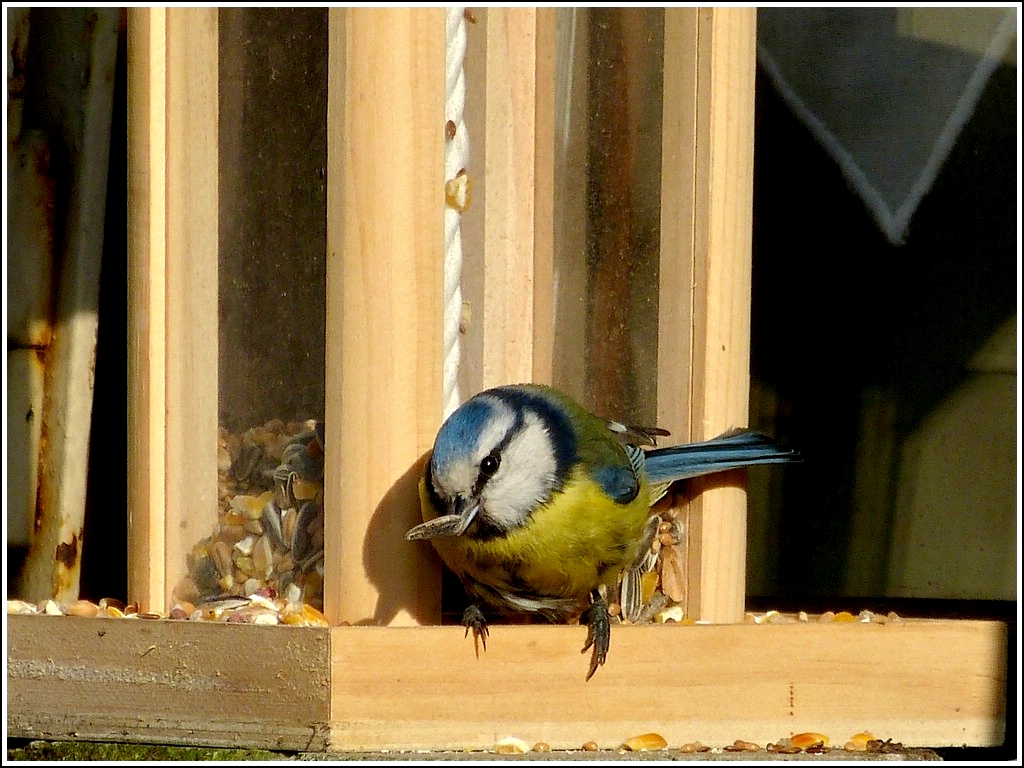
255	609
811	743
269	535
263	562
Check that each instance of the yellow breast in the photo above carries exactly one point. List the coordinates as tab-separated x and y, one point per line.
581	539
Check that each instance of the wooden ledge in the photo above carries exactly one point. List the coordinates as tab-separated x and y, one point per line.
920	682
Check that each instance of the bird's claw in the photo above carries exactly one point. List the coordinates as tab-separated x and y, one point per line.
599	633
473	619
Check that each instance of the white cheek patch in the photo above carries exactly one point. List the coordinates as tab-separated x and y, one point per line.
526	477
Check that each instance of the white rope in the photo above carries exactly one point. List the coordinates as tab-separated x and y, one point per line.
456	157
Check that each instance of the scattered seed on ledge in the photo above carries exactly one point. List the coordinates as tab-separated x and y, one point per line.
693	746
645	742
784	747
805	740
511	746
83	608
743	746
859	742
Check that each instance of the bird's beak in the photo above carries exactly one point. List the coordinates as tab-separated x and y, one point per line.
446	525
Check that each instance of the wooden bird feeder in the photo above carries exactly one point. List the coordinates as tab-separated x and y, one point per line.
386	674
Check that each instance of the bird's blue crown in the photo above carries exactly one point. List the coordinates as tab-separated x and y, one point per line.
458	436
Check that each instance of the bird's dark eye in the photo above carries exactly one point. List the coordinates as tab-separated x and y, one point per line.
489	465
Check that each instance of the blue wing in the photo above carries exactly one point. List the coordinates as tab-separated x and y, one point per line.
729	451
622	483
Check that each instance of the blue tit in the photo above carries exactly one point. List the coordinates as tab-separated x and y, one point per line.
537	505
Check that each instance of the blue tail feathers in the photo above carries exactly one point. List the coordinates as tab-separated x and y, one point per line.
733	449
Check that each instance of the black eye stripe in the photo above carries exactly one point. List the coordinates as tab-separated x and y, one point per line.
498	451
489	465
559	429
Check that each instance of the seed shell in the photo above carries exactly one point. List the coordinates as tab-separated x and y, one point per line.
645	742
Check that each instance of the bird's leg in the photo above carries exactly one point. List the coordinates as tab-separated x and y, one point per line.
599	631
473	618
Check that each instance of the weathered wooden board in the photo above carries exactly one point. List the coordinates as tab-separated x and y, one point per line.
922	683
173	682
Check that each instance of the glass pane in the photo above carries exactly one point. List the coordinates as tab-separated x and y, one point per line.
271	280
608	240
608	206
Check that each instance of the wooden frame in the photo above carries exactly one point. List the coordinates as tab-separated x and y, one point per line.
924	683
704	328
422	687
384	284
518	242
172	285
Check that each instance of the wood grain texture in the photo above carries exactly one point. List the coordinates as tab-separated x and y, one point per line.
167	682
704	303
923	683
519	177
192	239
147	295
572	97
173	252
544	197
385	251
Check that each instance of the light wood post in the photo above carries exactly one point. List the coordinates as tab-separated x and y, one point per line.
518	183
173	238
385	240
704	303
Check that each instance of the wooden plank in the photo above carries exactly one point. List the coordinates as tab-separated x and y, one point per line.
519	208
679	210
193	683
472	341
192	261
172	294
704	303
920	682
384	307
173	480
147	295
925	683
